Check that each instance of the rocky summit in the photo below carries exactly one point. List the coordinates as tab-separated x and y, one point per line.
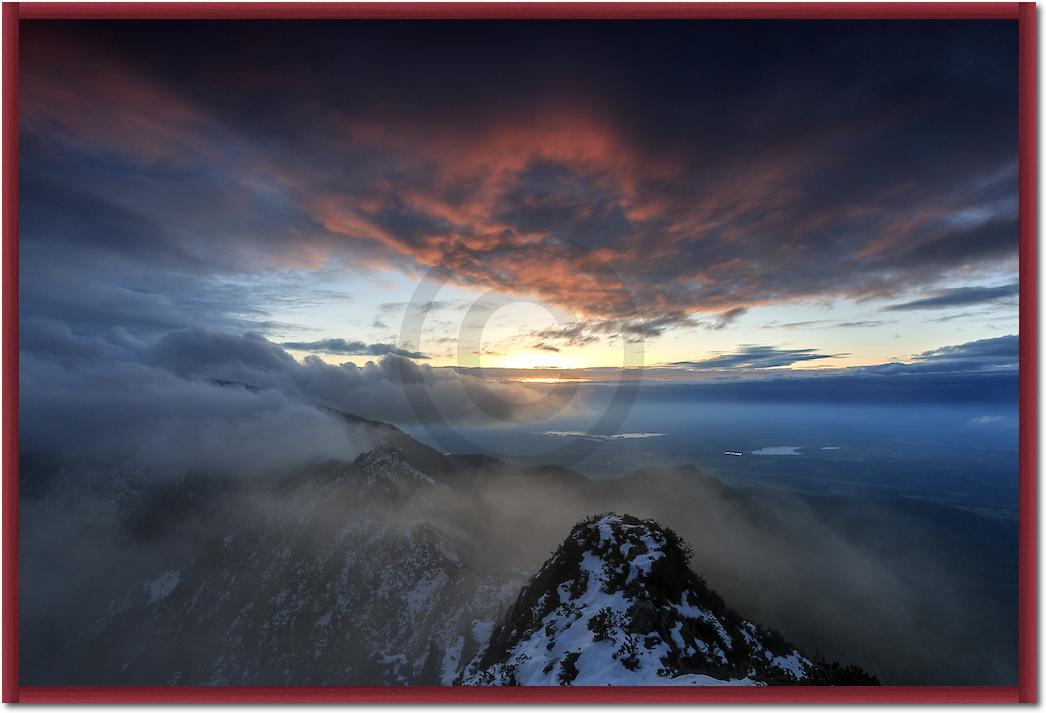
618	604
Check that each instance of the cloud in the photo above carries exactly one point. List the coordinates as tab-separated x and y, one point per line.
633	329
352	348
626	200
797	325
958	297
998	351
951	317
983	371
827	324
861	324
975	372
998	354
574	335
147	120
756	357
727	318
153	421
171	404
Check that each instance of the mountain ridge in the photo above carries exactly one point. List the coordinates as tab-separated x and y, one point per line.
498	520
617	604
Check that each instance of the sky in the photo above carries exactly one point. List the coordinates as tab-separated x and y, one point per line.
787	224
726	198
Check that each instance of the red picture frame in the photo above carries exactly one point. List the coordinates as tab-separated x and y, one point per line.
1024	692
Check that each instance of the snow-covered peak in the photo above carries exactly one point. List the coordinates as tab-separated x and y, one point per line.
617	604
386	458
385	469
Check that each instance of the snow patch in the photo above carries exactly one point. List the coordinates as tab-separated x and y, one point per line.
161	587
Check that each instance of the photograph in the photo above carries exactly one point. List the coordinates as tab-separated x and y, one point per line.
454	351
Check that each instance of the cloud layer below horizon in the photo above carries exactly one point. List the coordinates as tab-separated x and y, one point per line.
200	400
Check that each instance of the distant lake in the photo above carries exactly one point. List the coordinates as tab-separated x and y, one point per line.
777	451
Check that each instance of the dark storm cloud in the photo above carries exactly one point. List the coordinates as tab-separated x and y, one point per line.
756	357
823	160
994	240
57	214
352	348
959	297
99	258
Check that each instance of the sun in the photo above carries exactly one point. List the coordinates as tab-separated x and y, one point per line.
537	360
551	380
